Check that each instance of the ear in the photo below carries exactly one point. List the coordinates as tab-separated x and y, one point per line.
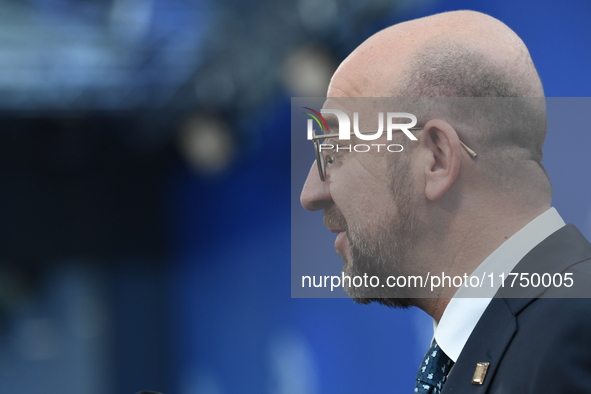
442	165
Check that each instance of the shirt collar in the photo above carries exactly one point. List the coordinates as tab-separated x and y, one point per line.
462	314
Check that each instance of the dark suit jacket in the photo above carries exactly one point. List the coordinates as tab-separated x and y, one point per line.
535	340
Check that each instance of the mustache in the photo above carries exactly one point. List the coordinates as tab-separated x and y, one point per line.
333	218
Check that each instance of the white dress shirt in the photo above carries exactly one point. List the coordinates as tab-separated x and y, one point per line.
462	314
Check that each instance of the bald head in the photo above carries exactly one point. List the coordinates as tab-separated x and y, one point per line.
470	55
416	58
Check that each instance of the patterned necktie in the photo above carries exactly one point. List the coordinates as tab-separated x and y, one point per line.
433	371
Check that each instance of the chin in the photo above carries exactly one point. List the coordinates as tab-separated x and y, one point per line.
390	297
399	303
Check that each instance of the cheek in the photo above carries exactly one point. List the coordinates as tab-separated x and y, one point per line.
362	199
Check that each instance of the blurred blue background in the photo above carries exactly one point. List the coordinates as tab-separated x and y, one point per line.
145	205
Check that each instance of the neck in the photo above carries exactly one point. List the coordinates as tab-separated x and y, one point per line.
463	243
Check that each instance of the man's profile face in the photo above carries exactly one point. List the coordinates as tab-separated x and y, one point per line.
367	199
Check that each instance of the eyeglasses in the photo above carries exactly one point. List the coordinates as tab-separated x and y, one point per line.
324	161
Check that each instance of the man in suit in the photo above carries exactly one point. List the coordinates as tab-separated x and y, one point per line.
470	196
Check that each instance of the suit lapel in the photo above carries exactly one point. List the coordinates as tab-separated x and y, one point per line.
497	326
488	343
557	253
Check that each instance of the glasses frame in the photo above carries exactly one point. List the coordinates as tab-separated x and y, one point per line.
320	159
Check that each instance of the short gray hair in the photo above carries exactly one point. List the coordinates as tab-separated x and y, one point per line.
495	112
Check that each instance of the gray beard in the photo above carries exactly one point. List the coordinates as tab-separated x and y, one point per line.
382	259
382	249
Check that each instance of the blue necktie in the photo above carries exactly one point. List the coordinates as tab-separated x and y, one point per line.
433	371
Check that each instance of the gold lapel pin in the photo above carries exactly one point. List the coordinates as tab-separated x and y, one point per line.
480	373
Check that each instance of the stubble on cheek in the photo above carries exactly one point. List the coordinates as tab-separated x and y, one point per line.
380	247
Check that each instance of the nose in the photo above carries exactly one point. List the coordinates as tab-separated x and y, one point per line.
315	193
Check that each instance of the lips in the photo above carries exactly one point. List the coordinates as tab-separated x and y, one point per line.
336	223
339	242
341	245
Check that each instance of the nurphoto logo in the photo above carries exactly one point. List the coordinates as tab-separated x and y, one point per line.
344	129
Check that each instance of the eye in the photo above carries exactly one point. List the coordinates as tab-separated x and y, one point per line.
329	160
